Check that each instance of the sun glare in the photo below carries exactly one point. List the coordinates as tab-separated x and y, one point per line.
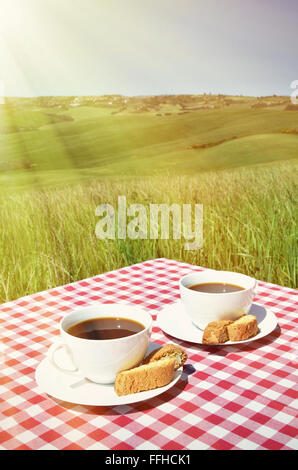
17	17
11	12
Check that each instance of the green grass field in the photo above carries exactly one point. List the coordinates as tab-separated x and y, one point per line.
61	157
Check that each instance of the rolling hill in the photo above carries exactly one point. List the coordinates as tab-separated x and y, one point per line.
73	138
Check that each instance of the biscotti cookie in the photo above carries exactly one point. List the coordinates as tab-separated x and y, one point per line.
145	377
216	332
168	351
244	328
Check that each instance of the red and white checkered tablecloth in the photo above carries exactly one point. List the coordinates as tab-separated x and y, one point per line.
234	397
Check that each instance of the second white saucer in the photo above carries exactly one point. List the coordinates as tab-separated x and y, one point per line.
174	321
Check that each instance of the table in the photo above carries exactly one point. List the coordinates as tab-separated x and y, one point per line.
231	397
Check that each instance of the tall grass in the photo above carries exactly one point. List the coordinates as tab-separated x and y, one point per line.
48	235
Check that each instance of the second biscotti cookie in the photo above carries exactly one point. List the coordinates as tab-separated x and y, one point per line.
244	328
168	351
216	332
146	377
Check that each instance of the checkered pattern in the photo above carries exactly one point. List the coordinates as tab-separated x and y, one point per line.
234	397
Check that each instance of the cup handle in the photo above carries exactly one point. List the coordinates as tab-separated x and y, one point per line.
51	356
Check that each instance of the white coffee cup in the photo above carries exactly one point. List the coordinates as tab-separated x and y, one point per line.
203	307
101	360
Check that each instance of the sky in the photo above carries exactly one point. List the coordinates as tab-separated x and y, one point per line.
147	47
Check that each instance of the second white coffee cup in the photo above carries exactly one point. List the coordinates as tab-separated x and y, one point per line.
204	308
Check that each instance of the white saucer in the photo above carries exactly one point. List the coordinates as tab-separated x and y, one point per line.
71	387
174	321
